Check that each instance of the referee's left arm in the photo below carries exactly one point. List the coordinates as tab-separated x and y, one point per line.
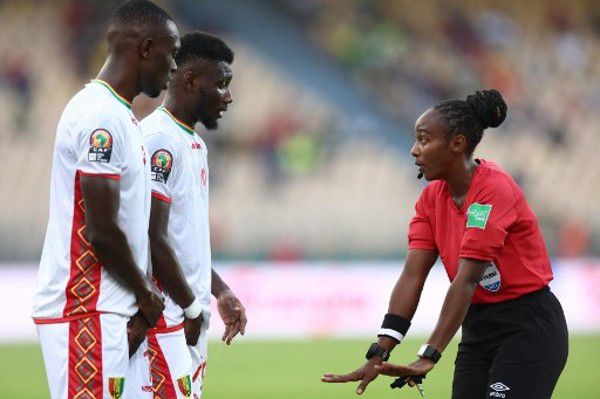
457	301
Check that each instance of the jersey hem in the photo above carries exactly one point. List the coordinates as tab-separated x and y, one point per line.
164	330
66	319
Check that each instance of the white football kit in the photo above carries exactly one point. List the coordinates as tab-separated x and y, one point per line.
179	176
80	310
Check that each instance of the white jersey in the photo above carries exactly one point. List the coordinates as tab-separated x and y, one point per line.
97	135
179	175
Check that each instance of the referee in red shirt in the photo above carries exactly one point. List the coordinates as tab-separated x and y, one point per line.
477	220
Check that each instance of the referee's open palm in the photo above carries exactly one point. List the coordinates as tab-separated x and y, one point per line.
365	374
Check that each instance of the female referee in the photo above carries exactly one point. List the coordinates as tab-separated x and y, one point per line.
475	217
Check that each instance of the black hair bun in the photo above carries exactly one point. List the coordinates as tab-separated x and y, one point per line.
490	108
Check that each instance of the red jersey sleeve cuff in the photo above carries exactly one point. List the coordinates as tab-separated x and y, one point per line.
476	256
422	245
161	196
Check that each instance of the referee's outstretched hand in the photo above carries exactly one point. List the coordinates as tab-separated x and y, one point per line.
365	374
418	368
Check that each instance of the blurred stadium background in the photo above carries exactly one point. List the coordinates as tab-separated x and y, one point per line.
312	184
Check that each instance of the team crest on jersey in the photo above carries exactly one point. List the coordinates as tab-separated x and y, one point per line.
478	215
161	164
115	387
491	279
101	143
185	386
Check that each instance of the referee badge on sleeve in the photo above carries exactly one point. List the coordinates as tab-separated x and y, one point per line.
101	143
491	279
160	165
478	215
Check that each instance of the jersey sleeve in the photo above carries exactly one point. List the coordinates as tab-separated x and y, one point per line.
420	231
488	218
163	162
99	146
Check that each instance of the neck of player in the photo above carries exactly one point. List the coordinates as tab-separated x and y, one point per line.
179	111
122	78
459	178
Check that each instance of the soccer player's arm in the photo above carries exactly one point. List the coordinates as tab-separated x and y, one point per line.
164	165
100	152
230	308
166	268
165	265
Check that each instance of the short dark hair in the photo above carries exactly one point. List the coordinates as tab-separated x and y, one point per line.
202	45
142	12
472	116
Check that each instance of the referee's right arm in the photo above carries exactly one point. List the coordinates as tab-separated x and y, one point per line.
407	291
403	302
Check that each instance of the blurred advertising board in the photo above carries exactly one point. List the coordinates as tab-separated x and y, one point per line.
313	300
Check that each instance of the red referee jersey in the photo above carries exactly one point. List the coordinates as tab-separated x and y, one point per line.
495	224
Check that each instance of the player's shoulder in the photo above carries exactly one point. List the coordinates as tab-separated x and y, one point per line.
91	108
494	182
158	132
492	175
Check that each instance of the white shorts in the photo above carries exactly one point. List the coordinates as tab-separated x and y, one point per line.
161	367
198	354
86	357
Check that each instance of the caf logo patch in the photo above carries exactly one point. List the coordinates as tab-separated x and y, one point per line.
160	166
101	143
115	387
185	386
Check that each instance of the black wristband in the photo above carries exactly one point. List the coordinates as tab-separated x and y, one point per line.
429	352
376	350
394	326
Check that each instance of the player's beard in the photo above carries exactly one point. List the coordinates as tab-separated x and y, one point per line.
209	123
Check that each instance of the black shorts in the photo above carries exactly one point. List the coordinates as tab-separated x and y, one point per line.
513	349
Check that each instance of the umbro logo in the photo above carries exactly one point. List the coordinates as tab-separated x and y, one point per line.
196	146
499	387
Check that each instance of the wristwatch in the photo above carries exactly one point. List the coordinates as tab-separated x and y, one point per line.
376	350
429	352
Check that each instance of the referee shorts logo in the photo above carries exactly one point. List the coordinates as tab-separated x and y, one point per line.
498	387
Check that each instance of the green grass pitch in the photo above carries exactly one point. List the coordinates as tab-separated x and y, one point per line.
292	370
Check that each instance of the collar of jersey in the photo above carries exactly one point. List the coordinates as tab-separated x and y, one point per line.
112	91
186	128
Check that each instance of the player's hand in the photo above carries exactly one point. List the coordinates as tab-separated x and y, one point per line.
233	314
151	306
365	374
136	332
191	329
418	368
